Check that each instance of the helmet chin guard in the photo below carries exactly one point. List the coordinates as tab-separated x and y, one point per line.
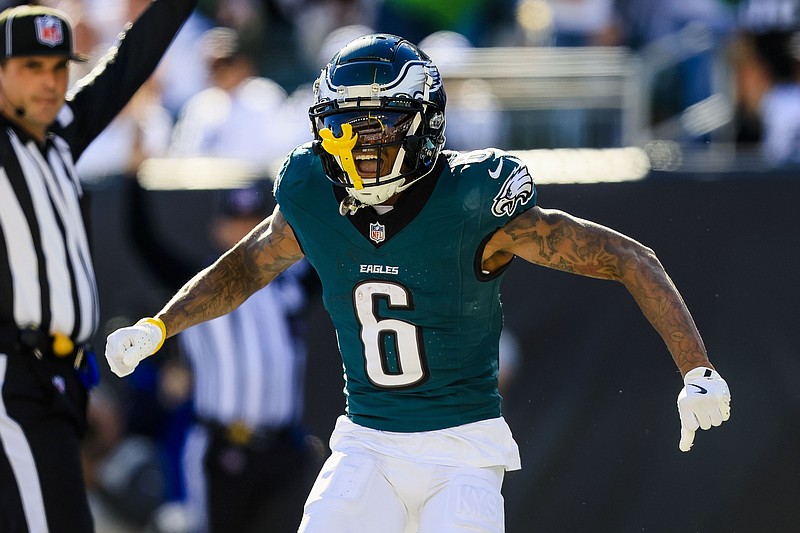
378	118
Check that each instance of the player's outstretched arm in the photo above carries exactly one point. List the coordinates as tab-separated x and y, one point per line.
269	249
559	240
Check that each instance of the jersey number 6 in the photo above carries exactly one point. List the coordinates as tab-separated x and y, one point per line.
393	349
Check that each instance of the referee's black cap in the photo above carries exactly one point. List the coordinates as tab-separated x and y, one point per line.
36	31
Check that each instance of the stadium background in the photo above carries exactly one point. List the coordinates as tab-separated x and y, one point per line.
592	404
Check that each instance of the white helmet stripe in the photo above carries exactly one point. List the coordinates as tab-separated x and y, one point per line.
406	81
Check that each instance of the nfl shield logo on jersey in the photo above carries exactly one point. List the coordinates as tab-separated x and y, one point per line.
48	31
377	232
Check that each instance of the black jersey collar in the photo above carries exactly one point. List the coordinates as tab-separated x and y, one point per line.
23	134
411	201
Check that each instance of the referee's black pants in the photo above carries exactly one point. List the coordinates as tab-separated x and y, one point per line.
42	420
255	489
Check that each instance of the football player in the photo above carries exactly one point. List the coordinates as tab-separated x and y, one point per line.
410	242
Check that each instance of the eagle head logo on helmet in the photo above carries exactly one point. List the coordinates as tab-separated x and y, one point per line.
378	117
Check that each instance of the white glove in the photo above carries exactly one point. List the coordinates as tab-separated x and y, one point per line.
703	402
126	347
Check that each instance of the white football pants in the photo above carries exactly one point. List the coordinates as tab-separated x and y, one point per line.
362	491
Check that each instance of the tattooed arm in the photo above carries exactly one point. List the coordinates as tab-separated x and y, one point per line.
269	249
558	240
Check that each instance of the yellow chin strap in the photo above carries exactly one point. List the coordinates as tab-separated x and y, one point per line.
342	147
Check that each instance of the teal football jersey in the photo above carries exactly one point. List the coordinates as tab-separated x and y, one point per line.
417	322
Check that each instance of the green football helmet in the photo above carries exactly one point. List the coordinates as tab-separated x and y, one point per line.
378	117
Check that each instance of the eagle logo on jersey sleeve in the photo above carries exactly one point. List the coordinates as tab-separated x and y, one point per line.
516	190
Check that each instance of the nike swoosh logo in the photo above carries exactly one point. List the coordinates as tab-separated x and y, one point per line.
700	389
496	172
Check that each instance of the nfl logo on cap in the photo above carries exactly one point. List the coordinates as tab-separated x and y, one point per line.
29	30
49	31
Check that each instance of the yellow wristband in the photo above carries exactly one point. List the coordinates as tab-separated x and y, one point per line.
160	325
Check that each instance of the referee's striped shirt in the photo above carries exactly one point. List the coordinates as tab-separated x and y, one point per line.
46	274
249	365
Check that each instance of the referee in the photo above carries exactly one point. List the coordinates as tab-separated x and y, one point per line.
48	296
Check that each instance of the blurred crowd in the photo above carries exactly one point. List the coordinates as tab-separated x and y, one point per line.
712	71
236	84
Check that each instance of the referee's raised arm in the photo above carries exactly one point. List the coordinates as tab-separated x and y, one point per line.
100	95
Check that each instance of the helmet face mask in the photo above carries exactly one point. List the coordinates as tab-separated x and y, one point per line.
378	117
381	136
